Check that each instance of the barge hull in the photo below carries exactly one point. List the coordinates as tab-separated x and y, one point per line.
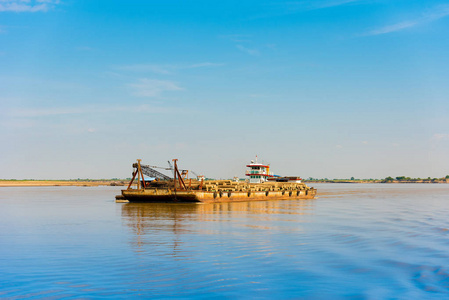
168	196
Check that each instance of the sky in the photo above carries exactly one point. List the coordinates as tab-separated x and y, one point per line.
322	88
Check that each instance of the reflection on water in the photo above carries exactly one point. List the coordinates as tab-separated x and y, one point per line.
362	241
143	218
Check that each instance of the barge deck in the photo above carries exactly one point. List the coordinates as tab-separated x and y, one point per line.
181	190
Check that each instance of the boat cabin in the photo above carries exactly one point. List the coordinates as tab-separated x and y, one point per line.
258	173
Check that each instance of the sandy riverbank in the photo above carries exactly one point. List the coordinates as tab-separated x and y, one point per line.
23	183
378	181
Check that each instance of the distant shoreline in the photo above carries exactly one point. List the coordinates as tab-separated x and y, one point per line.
31	183
379	181
125	182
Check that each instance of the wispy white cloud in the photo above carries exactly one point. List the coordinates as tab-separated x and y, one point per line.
111	74
146	87
249	51
393	28
434	14
45	112
244	44
263	96
166	69
238	38
80	110
280	8
202	65
27	5
333	3
440	137
318	4
158	69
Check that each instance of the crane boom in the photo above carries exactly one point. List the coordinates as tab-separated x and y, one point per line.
149	171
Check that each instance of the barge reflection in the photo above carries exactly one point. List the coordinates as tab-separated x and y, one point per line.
156	219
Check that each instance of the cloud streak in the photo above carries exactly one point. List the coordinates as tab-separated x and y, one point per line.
237	38
333	3
249	51
435	14
440	137
279	9
146	87
166	69
20	6
63	111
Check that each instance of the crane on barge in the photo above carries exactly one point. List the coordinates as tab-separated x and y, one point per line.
163	188
179	176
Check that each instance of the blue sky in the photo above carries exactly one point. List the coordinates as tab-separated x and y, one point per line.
324	88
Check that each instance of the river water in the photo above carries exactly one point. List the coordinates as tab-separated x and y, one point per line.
360	241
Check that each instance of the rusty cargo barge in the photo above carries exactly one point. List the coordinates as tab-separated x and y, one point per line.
261	185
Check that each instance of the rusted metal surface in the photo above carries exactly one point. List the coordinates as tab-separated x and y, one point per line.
219	191
211	190
131	182
179	176
167	195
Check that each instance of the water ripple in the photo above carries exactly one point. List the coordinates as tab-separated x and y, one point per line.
355	241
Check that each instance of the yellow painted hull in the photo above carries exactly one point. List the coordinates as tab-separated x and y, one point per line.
170	196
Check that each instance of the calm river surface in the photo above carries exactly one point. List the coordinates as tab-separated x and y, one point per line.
361	241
